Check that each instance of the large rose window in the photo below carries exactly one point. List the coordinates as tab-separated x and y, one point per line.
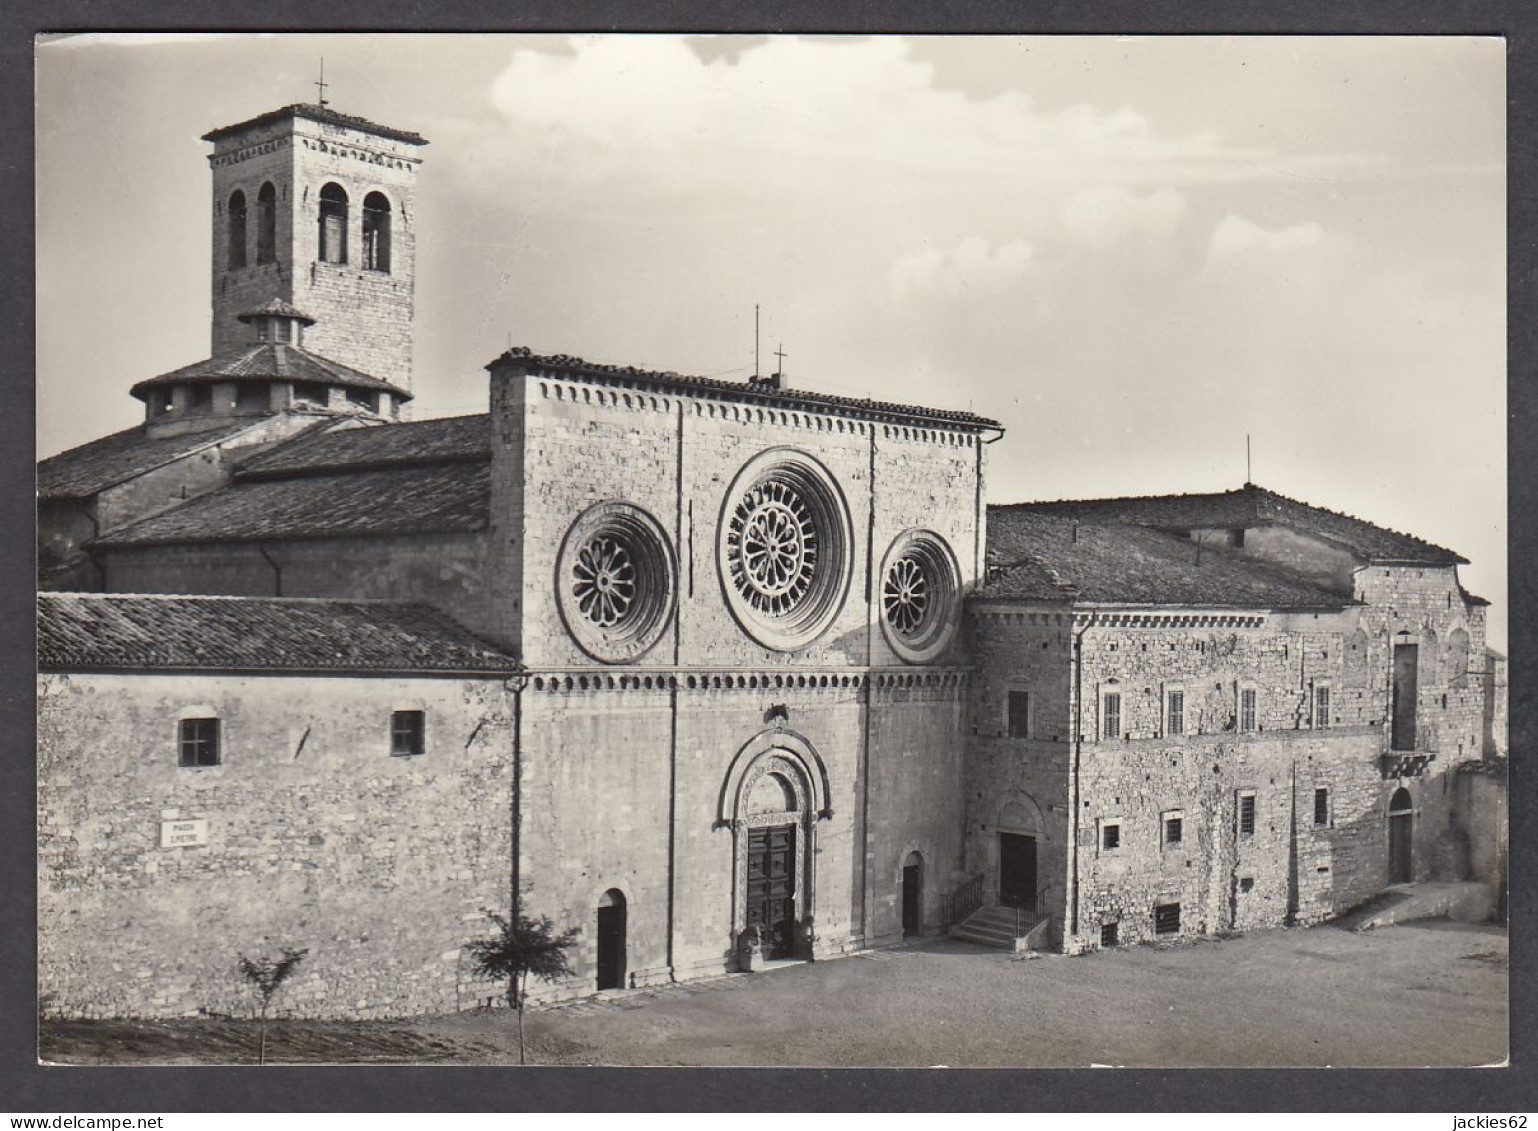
784	549
615	582
919	588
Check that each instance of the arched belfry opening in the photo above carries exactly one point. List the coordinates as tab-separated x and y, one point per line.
376	232
774	795
235	251
1401	838
267	224
611	940
333	224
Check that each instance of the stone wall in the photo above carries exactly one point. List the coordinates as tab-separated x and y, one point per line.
1286	869
316	836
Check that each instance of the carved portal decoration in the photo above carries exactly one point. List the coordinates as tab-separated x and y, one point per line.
776	778
920	596
785	548
615	582
786	783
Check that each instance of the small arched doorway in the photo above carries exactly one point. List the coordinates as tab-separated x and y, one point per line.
913	895
611	940
1401	831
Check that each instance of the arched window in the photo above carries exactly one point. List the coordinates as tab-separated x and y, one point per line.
376	232
333	224
267	224
235	254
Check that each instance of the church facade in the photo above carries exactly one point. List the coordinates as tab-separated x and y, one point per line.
721	673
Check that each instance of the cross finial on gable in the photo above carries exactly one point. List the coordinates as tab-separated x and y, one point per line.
321	82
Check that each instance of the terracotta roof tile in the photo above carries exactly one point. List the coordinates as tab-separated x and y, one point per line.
423	441
429	498
316	114
761	393
1253	506
84	471
107	631
267	361
1049	557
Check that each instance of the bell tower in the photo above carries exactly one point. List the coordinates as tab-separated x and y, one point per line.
318	208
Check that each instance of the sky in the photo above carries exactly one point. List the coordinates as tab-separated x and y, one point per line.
1132	252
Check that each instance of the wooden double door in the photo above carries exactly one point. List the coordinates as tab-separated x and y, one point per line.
772	887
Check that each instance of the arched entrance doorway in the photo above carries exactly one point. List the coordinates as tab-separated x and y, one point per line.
611	940
1401	830
913	895
1018	830
773	813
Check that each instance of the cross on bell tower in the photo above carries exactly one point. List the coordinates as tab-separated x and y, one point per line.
321	82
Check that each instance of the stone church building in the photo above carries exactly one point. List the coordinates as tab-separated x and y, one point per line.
720	673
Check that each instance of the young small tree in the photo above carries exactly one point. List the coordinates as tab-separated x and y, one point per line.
266	977
520	948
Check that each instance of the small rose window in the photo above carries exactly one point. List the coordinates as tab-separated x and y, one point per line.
615	582
919	596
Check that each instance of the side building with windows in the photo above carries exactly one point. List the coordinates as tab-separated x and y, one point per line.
1176	732
221	776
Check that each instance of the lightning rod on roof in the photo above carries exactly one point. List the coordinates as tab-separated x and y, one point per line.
1249	475
755	341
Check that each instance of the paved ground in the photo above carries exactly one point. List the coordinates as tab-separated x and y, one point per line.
1430	993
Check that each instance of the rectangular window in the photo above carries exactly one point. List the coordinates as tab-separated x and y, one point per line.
1246	814
200	742
1247	709
1174	828
200	398
1110	835
1107	934
1112	714
1321	806
1167	919
408	732
1019	711
1177	712
1321	707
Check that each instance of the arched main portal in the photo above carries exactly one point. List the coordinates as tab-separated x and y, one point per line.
611	940
1401	832
773	796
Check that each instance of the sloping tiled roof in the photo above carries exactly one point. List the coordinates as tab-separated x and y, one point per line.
422	441
81	472
269	361
427	498
275	307
108	631
1254	506
1047	557
737	390
316	114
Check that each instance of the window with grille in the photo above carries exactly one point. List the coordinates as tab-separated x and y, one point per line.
1110	835
1112	714
1246	814
1019	711
1174	828
1107	934
1176	714
1247	709
200	742
408	733
1167	919
1321	806
1321	707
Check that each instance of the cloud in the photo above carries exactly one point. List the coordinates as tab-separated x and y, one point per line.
791	107
1108	214
1236	236
972	267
